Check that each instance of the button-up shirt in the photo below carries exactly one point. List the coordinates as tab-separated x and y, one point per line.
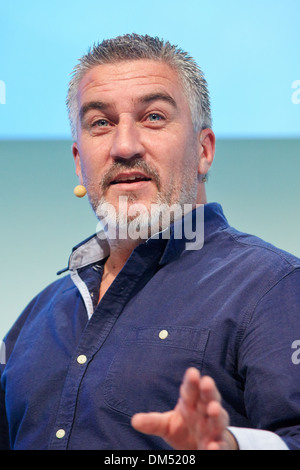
78	369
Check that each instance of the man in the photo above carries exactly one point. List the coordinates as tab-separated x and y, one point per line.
96	360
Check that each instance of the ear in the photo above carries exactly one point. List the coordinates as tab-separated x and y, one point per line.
76	157
207	142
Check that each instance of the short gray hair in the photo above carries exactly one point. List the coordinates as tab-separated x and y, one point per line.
135	47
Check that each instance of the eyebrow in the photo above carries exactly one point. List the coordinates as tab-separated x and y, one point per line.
97	105
102	106
158	97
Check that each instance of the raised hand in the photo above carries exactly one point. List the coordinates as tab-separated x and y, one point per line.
198	421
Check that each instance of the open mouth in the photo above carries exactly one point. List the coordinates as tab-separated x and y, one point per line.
126	178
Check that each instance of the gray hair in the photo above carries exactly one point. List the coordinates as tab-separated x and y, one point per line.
135	47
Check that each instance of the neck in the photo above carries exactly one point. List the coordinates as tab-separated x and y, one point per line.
121	249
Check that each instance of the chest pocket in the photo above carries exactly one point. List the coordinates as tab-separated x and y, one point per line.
146	373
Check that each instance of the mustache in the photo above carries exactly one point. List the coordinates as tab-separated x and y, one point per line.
136	164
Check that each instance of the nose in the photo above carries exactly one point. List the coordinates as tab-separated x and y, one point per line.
126	142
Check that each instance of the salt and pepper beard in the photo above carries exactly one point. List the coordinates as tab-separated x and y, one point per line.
148	220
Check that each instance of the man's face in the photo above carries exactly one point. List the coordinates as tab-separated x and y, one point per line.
135	136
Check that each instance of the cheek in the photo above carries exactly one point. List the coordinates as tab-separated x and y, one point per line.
182	158
92	160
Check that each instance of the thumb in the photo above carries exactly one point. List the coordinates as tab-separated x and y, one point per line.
156	424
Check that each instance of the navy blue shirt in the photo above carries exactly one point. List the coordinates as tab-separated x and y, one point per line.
76	371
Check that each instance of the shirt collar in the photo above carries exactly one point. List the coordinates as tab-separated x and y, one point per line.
196	228
209	218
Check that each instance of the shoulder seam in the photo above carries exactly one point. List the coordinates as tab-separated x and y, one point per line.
246	321
268	247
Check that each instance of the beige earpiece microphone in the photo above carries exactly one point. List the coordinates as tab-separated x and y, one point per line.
80	191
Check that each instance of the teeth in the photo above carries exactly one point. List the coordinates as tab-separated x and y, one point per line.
130	178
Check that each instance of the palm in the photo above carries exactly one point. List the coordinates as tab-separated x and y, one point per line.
197	422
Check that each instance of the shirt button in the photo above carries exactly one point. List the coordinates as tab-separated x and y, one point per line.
163	334
81	359
60	433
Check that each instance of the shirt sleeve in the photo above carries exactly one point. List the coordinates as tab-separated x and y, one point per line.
4	436
6	347
256	439
271	377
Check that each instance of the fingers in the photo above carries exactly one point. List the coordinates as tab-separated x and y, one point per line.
151	423
198	391
200	405
190	387
212	399
197	422
218	417
208	390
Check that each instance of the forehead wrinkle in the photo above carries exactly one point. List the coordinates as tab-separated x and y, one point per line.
144	99
94	80
99	77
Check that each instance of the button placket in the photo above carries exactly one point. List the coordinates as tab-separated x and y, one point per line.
60	434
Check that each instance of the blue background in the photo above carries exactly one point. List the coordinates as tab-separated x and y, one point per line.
249	51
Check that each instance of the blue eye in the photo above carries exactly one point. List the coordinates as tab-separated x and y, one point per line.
155	117
101	123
